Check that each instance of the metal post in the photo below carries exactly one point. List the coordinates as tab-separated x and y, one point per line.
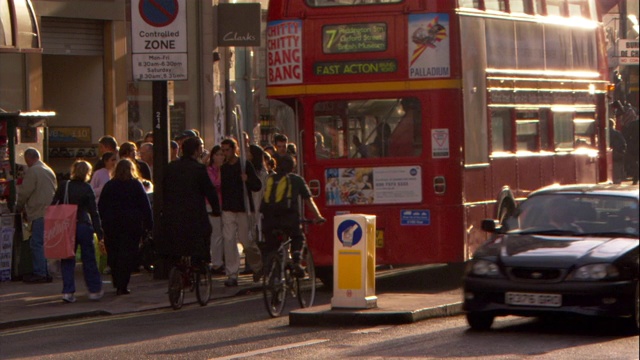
161	145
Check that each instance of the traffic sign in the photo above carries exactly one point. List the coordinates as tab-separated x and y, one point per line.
158	12
159	39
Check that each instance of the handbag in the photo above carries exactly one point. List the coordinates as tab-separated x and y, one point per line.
60	222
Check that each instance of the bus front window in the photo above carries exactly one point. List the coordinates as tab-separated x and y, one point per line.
373	128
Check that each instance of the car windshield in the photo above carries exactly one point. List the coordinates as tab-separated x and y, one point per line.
576	214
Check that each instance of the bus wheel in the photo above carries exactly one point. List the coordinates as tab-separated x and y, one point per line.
325	274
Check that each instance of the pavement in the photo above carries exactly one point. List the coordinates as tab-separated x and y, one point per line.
23	304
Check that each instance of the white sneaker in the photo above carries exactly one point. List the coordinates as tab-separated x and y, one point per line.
96	296
68	298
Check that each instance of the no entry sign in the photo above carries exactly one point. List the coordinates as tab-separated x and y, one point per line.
159	39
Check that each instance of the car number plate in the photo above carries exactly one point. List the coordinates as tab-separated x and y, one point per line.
533	299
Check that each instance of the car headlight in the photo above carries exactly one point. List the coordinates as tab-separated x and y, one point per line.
483	268
594	272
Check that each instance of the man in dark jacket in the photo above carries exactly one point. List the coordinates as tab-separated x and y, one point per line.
186	230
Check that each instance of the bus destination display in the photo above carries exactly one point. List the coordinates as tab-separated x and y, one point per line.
350	38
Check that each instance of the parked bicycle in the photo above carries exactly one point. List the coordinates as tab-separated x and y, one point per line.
185	275
279	280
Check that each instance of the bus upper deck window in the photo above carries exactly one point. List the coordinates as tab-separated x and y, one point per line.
325	3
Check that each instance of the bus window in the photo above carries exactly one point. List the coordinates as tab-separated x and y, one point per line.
518	6
369	128
323	3
527	131
557	48
529	37
501	131
470	4
584	49
579	8
545	143
539	7
585	129
555	7
501	44
497	5
563	131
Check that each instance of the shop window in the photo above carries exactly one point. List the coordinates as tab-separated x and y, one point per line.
371	128
501	131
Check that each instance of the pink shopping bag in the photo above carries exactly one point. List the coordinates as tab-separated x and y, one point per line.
60	230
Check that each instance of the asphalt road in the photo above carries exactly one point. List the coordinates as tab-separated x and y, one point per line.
240	328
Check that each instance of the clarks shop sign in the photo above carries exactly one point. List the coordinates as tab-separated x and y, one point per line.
239	24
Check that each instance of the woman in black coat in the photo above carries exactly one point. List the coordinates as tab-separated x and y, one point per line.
126	214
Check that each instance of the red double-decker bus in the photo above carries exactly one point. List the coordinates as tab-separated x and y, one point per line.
435	114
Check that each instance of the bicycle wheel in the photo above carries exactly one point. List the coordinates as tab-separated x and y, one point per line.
176	288
273	287
203	284
307	284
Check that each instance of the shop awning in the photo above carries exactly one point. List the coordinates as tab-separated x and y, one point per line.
19	30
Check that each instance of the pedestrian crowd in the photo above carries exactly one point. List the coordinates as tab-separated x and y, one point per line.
211	202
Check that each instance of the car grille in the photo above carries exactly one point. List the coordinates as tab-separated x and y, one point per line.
536	274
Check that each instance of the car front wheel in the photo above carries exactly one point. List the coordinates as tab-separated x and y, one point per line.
479	320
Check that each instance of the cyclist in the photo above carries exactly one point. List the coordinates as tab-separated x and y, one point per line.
288	221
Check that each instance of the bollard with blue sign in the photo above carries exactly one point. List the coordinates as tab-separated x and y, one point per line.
354	255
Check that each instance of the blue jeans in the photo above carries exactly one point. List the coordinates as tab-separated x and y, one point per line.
92	278
37	247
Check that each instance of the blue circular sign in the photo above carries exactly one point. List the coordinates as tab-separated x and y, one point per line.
349	233
158	13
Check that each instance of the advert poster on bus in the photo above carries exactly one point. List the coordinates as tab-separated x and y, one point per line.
381	185
429	46
284	52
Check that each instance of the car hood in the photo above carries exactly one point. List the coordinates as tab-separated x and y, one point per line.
536	250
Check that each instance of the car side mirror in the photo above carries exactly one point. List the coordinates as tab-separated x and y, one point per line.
491	225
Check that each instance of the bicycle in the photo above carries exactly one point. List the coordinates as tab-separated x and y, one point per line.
279	281
187	276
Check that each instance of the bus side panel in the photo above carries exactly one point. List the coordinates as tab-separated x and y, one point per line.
503	173
529	175
565	168
586	169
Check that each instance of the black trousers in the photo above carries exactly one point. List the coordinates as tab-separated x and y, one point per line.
122	257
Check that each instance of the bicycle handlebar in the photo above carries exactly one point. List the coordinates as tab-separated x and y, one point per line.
313	221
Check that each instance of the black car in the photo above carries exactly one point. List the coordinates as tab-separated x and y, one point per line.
566	249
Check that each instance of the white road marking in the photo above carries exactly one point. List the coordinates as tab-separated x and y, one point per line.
376	329
271	349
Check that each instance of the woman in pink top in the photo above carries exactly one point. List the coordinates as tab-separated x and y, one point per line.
216	159
102	176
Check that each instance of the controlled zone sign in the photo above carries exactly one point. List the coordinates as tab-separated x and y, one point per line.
159	39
